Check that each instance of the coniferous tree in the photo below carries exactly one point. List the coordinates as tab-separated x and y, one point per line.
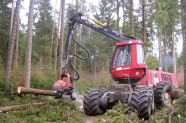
29	45
131	19
61	39
183	14
17	44
5	17
43	31
11	44
56	41
51	47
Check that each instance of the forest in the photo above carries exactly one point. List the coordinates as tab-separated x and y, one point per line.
33	36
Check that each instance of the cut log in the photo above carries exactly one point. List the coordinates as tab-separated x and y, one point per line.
22	90
15	107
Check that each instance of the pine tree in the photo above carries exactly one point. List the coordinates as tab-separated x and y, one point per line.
29	45
131	19
183	14
11	45
43	31
61	39
5	17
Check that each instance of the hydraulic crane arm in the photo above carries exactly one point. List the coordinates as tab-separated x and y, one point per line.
97	26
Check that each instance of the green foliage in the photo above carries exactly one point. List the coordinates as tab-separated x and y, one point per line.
43	80
120	114
43	32
152	62
5	18
51	111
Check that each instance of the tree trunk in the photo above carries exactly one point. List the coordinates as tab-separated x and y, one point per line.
61	39
117	13
124	25
80	24
131	19
183	13
22	90
165	51
11	44
28	50
17	44
12	18
15	107
159	44
51	47
144	20
56	42
173	51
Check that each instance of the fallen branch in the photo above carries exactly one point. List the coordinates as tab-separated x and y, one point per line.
68	115
15	107
22	90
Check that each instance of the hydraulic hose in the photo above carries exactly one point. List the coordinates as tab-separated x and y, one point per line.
83	48
80	57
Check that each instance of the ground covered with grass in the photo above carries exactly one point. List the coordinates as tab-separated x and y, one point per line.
65	110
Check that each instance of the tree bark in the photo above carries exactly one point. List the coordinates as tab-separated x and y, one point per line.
29	45
22	90
12	18
56	42
117	13
17	46
131	19
173	51
51	47
11	44
15	107
159	45
144	20
165	50
61	39
124	25
183	14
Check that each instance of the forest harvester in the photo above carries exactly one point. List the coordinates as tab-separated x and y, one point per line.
140	88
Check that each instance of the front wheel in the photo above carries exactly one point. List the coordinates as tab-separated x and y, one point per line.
91	101
142	101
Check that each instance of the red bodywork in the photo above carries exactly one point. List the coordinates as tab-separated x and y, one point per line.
137	70
134	69
61	82
153	77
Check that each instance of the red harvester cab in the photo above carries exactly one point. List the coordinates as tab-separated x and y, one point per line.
128	62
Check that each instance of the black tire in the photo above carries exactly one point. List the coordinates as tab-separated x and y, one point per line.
91	101
162	94
141	100
152	99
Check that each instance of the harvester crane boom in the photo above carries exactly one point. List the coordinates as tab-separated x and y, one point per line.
97	26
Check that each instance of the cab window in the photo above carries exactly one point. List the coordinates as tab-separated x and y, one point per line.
122	56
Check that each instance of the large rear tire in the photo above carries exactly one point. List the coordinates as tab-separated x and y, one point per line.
141	100
91	101
162	94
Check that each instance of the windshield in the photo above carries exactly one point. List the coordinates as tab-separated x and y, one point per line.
123	56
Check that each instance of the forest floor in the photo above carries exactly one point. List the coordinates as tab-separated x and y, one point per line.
66	110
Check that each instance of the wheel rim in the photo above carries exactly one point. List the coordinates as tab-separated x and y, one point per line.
167	98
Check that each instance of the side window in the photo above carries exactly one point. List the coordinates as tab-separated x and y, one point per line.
140	54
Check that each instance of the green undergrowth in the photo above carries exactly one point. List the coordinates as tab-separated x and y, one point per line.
52	111
97	80
121	113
